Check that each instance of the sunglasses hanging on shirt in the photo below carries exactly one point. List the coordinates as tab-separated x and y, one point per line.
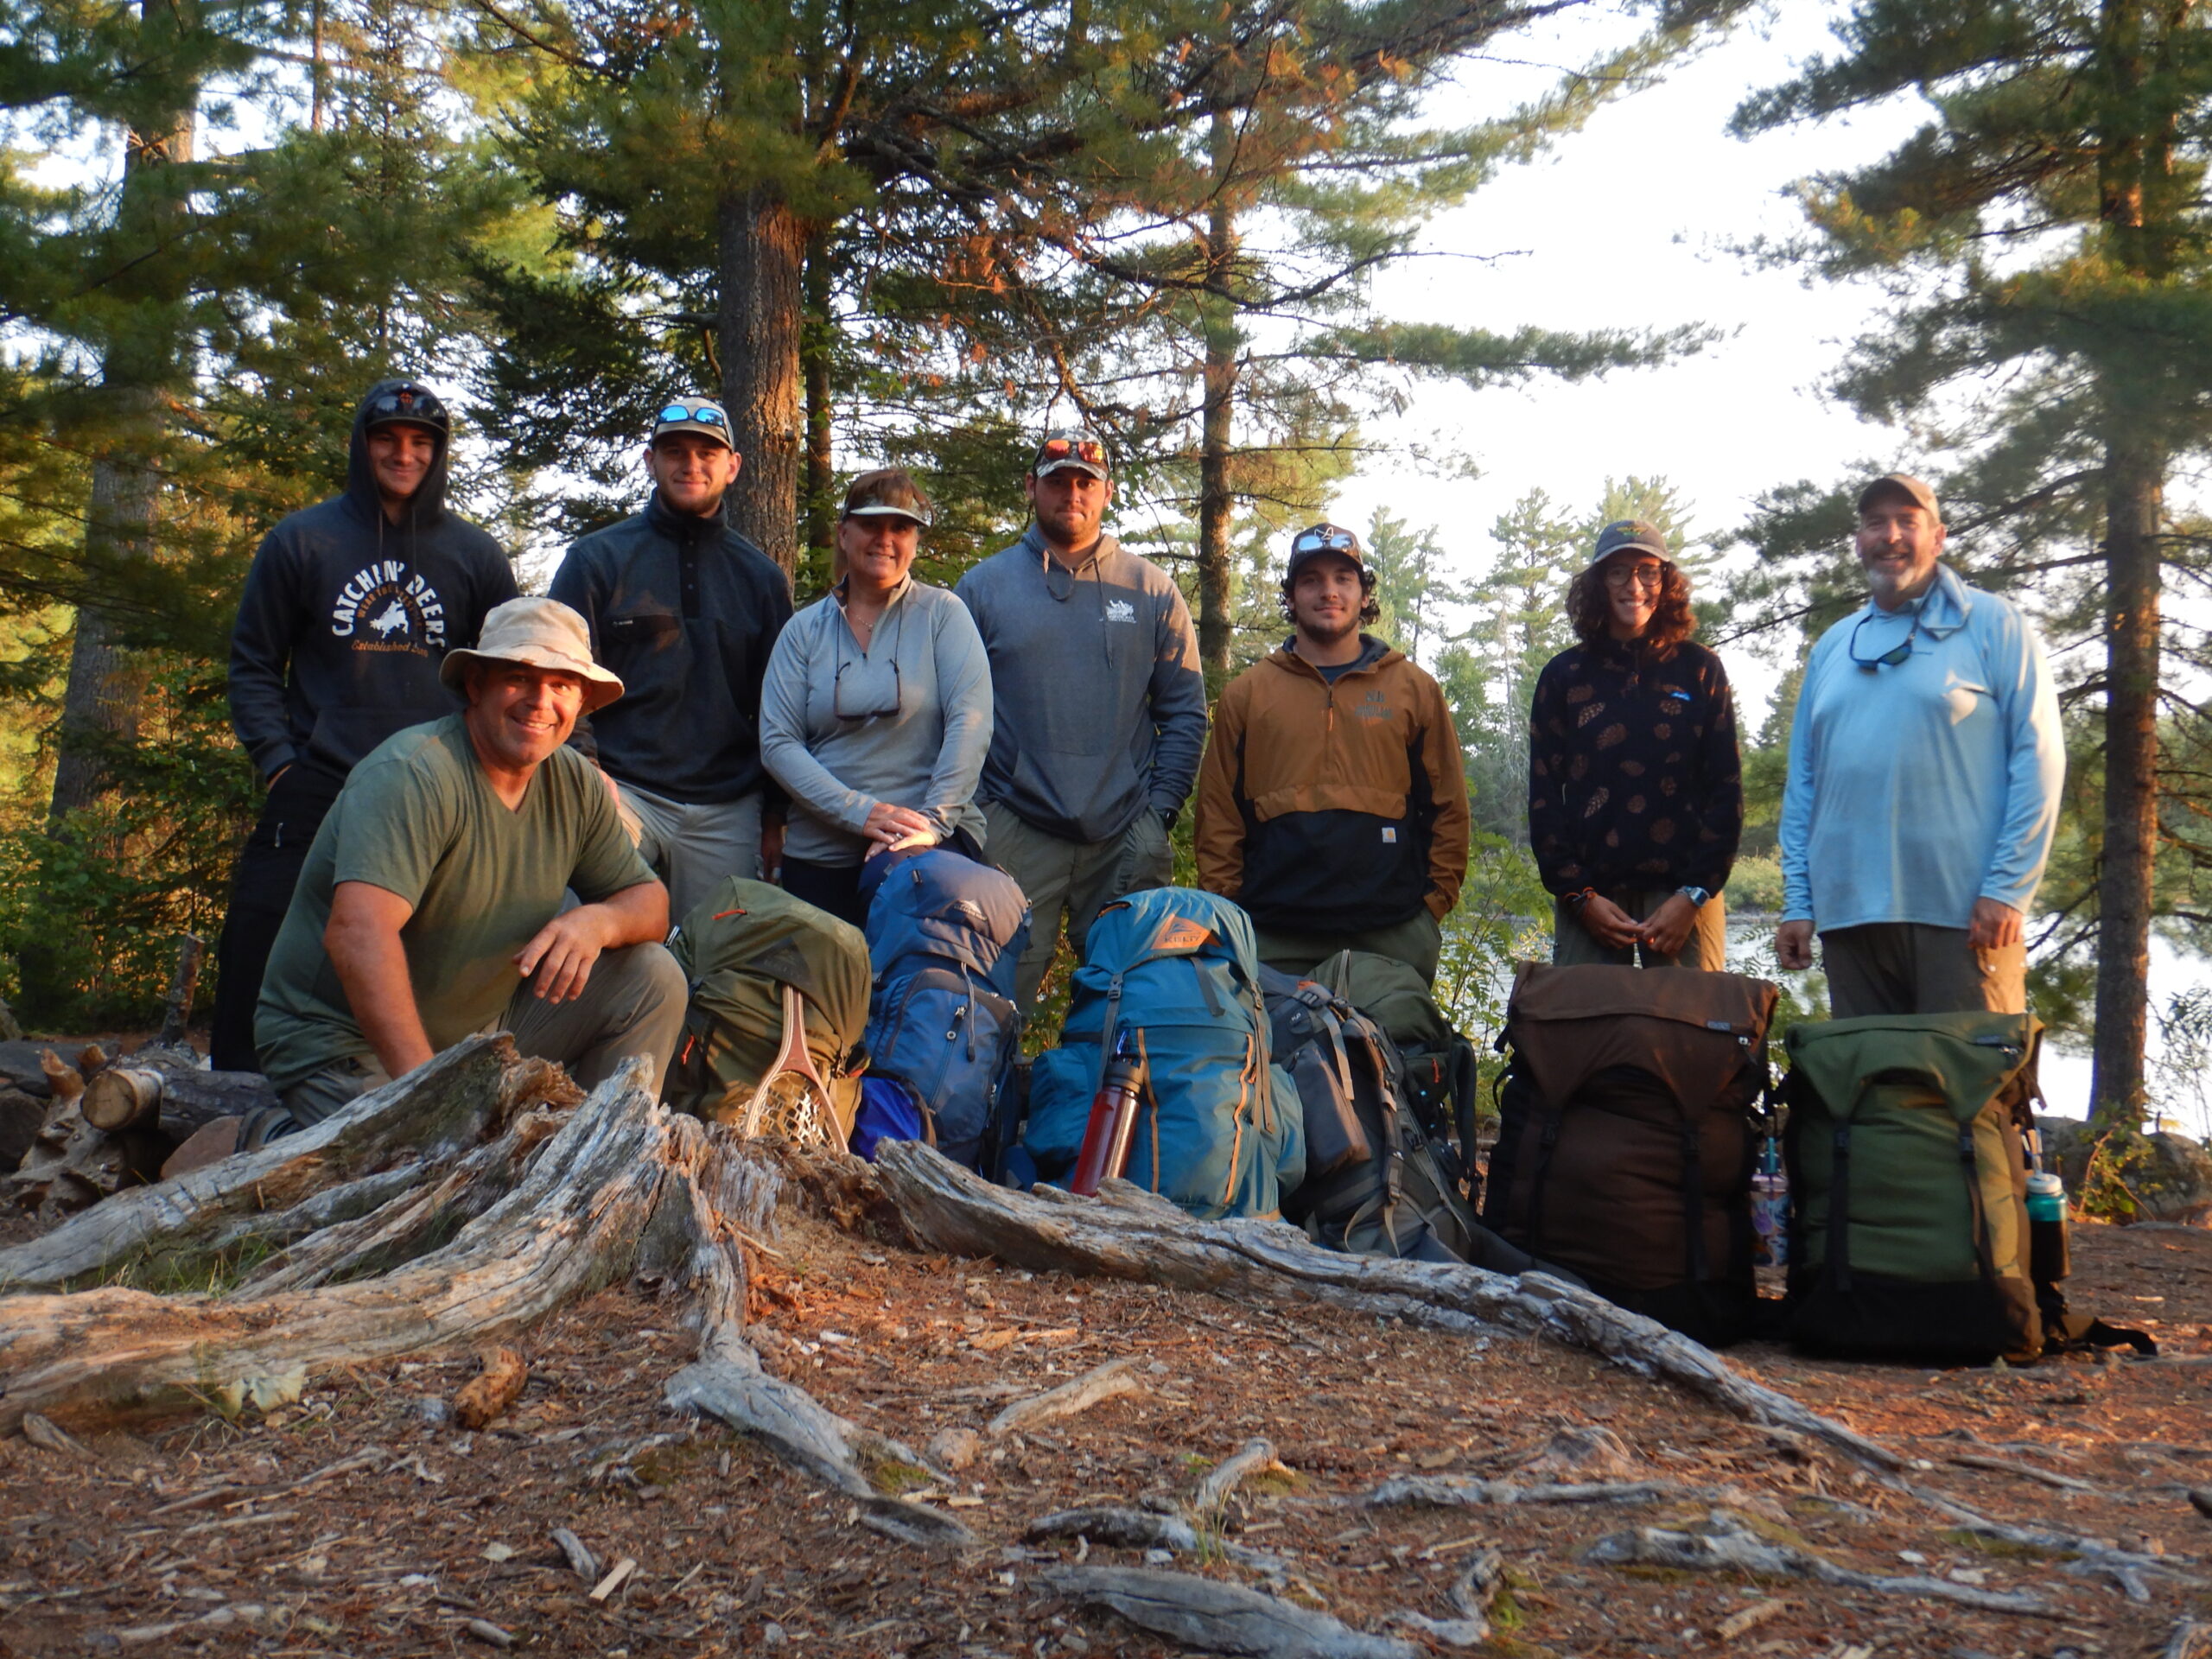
1895	657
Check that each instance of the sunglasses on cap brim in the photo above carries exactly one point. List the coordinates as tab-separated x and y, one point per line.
1328	540
407	403
1083	449
703	415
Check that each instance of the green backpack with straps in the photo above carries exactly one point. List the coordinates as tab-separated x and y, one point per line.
1908	1177
743	949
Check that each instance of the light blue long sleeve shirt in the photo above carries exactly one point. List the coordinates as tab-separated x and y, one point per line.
1915	789
907	721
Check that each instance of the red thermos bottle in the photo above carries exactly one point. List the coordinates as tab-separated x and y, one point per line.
1113	1122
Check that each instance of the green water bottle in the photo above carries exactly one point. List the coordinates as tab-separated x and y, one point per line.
2047	1252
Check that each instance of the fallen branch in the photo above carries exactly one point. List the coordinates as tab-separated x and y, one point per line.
2125	1568
1464	1493
489	1393
1126	1233
1258	1457
1731	1548
2025	1472
1219	1618
1108	1382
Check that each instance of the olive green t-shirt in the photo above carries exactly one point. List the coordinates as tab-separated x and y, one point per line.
418	818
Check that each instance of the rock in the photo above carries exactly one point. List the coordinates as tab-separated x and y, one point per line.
432	1412
1587	1454
955	1448
2168	1175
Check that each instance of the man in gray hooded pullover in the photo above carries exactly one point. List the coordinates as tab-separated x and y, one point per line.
1100	706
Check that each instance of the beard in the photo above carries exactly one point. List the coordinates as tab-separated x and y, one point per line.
1322	632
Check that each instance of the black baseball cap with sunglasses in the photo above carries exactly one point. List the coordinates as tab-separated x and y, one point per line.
700	415
1312	543
406	403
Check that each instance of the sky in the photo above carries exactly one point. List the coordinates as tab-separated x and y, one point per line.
1632	223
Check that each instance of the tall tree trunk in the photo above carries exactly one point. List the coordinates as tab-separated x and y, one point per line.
100	704
2135	500
1217	326
101	700
763	251
2137	202
819	502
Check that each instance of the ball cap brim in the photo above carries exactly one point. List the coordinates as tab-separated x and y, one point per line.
542	633
1629	535
1904	484
888	492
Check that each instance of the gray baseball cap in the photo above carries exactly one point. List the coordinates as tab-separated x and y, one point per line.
1628	535
1904	484
700	415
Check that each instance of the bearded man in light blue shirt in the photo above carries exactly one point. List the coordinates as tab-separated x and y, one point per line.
1925	765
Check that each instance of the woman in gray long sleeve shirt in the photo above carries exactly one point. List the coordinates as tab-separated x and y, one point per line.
875	714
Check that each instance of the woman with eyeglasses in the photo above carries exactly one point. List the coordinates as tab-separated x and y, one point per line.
1636	797
876	712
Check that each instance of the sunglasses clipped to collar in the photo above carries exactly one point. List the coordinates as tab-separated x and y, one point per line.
408	404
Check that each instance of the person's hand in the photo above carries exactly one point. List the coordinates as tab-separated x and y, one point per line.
1793	945
772	848
1995	925
1668	929
892	824
558	960
1607	923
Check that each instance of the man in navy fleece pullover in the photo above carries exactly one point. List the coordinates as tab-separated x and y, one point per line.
349	608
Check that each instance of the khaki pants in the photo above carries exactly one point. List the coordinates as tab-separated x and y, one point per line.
1573	945
1072	878
1912	967
633	1004
1418	942
692	847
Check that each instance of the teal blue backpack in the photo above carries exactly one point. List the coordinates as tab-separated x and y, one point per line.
1219	1130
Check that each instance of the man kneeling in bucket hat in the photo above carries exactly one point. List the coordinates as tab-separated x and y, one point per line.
430	907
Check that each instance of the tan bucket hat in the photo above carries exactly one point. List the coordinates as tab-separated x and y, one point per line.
544	633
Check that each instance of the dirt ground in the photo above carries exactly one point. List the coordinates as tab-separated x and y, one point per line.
353	1523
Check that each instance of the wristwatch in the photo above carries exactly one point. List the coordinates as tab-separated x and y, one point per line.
1697	896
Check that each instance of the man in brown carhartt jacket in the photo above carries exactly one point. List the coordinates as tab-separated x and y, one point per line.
1332	805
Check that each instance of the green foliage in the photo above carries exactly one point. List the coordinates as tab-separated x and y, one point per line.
1504	917
91	913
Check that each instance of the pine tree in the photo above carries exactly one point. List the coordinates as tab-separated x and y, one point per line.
2046	235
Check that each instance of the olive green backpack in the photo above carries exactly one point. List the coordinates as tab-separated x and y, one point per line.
1908	1178
757	958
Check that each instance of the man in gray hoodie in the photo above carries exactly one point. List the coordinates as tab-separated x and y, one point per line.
1100	706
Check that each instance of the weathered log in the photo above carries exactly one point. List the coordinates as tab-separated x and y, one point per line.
1126	1233
1257	1457
576	1222
1220	1618
158	1087
199	1222
1460	1492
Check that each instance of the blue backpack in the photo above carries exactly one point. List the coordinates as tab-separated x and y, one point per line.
944	935
1219	1129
